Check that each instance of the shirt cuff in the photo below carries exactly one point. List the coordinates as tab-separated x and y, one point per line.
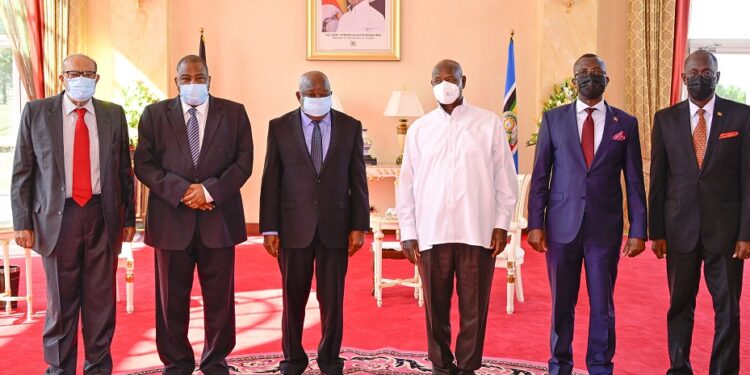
408	234
270	233
502	222
209	198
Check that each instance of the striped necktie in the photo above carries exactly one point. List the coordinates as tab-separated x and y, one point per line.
194	137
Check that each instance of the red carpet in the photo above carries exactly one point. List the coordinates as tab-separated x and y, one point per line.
641	300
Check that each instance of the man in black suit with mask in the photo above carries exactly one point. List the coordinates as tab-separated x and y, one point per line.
314	211
700	210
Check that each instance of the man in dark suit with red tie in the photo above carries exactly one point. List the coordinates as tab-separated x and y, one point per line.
194	154
72	201
699	205
314	211
575	211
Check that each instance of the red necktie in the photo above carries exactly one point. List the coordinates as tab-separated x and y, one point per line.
81	161
587	137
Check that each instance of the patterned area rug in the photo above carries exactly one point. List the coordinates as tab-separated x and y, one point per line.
376	362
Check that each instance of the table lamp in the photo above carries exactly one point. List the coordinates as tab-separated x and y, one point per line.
403	104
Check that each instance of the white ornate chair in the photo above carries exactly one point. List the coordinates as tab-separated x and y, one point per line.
5	295
125	261
389	250
513	256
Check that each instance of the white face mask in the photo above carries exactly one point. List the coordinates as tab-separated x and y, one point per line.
446	92
316	106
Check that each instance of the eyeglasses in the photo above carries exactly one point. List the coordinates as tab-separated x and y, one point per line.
592	72
80	73
707	74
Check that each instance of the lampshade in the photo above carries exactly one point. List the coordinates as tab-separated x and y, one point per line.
336	103
403	104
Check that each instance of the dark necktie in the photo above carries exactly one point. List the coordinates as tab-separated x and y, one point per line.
316	146
81	161
699	138
587	137
194	136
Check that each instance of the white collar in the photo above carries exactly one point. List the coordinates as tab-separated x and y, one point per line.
69	106
709	107
202	108
581	106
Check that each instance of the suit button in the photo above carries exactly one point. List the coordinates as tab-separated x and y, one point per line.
315	202
59	213
318	180
62	188
583	197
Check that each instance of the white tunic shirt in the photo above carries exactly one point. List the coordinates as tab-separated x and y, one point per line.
362	18
458	181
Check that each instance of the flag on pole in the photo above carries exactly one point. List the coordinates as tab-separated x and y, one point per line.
509	105
202	47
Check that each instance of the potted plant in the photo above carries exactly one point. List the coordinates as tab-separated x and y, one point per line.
563	93
136	97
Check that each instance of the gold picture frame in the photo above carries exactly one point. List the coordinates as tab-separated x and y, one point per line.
370	30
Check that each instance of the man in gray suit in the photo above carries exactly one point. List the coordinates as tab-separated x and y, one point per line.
72	200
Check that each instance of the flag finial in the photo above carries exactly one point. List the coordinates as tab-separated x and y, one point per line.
201	31
512	32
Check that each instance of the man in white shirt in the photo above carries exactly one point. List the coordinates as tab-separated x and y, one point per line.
361	18
456	196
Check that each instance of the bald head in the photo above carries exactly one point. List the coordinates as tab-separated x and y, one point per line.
312	80
448	66
589	61
703	58
79	62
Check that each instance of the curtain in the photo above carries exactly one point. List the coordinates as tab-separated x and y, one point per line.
54	42
649	65
38	30
682	18
23	27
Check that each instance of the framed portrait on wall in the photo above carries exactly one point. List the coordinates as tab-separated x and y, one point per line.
353	30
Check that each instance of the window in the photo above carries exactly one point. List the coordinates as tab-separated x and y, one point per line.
721	27
12	97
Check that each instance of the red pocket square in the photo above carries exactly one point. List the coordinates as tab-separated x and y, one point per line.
728	135
620	136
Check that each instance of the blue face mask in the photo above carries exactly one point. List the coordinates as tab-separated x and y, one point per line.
194	93
316	106
80	89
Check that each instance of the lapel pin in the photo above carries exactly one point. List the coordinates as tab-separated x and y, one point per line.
719	114
615	119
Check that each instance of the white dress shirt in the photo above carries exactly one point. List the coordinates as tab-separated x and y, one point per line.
599	116
708	115
70	117
201	113
362	18
458	181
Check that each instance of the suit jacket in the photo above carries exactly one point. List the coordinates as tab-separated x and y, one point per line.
163	163
38	183
295	201
563	190
712	203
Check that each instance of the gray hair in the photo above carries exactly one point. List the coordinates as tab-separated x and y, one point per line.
305	80
65	61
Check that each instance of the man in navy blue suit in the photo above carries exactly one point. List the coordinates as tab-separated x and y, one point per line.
575	211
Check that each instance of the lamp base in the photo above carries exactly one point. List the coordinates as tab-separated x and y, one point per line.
399	159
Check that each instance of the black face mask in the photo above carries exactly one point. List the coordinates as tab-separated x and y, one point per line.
591	86
701	88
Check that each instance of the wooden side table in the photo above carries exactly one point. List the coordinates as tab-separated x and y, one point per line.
6	295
